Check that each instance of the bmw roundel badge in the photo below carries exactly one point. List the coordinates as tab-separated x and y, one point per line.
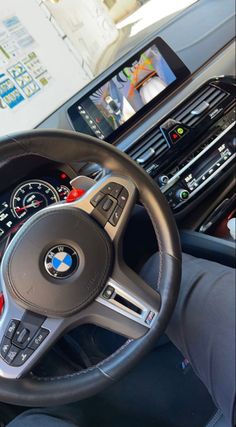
61	261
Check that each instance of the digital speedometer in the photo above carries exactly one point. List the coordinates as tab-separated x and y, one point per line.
32	196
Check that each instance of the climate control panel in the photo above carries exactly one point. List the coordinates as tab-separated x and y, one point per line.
198	173
194	146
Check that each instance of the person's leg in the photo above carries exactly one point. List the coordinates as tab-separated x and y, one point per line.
203	324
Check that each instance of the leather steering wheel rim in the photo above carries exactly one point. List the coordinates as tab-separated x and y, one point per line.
67	147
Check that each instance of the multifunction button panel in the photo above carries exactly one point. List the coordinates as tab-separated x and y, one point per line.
22	338
109	203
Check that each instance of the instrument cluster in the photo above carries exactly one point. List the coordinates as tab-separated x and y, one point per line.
22	201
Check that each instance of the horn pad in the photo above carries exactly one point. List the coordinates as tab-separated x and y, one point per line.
58	262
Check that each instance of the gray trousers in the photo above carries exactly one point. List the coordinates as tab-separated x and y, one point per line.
202	327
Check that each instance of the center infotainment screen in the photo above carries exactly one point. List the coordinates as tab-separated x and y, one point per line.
129	92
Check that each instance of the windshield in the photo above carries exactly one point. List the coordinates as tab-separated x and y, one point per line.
51	49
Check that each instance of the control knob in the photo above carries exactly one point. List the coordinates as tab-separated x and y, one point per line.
163	179
182	194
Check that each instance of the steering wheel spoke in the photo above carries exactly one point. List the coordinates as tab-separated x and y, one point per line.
24	338
127	305
110	202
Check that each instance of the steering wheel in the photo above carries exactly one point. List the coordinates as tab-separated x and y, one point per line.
65	268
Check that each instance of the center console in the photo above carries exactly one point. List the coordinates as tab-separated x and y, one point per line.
190	152
193	149
210	158
222	220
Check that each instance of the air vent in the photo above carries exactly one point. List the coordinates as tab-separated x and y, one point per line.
194	110
151	145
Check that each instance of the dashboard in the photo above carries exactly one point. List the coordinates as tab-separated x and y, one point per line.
191	149
22	200
195	172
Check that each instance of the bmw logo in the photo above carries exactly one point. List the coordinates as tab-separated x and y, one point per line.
61	261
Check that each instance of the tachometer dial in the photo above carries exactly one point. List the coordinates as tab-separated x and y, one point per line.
32	196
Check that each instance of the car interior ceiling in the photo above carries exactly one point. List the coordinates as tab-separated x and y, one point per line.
184	138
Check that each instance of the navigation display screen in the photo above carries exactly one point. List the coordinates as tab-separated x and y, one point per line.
130	90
